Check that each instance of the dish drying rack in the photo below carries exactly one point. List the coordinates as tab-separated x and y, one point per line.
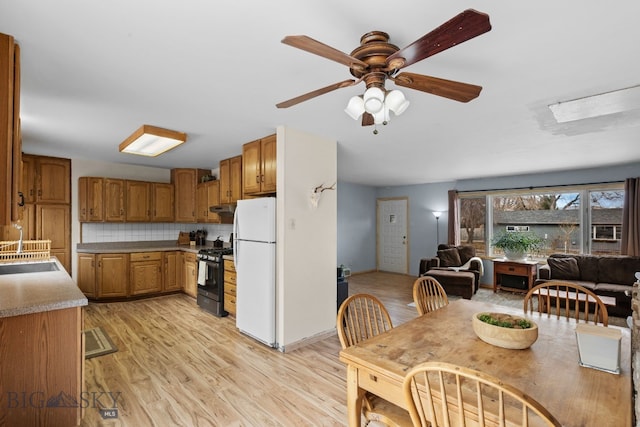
32	250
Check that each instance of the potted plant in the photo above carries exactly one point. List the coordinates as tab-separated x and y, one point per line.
517	244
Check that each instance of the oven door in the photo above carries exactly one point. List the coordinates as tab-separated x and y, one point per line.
211	286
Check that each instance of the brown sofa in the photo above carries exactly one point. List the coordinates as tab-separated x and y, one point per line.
463	282
611	276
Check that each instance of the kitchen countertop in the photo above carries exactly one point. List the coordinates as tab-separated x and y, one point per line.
27	293
129	247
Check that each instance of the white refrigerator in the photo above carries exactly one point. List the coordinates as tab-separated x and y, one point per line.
254	250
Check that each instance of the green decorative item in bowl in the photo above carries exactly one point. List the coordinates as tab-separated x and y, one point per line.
505	330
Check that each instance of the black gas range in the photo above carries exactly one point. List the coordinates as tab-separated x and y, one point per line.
211	280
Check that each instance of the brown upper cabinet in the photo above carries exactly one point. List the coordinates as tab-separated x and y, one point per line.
208	194
138	206
259	166
46	179
114	200
10	139
185	182
162	196
231	180
90	199
119	200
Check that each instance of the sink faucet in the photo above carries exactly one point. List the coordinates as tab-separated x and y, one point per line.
19	227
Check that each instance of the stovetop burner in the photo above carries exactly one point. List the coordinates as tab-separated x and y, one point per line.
214	253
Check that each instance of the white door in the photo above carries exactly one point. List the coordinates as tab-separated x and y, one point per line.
392	241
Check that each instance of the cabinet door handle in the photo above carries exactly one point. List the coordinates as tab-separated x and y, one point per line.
257	179
39	193
21	202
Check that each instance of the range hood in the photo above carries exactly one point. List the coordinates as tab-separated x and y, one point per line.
223	210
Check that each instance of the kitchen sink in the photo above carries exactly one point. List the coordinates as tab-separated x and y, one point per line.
32	267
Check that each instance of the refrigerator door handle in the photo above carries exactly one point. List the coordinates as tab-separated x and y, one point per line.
235	236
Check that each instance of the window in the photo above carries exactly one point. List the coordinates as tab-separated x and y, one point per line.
558	216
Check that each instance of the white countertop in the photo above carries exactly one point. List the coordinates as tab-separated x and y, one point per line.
27	293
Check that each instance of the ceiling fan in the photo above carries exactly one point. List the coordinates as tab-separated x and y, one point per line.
377	60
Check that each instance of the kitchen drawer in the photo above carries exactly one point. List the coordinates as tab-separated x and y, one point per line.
381	386
229	288
516	270
230	276
229	265
146	256
230	303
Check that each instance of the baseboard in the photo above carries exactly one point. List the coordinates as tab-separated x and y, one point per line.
353	273
308	340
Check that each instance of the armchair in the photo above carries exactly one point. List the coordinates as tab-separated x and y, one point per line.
457	268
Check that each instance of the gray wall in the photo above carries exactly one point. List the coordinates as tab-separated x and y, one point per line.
357	210
356	226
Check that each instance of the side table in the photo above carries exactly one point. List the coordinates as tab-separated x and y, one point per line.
504	268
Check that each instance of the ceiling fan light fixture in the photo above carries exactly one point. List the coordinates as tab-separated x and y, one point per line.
373	100
396	102
151	141
355	107
382	117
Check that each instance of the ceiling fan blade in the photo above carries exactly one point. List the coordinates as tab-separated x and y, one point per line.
367	119
313	94
463	92
321	49
459	29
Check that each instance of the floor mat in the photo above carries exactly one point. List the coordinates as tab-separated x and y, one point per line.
97	343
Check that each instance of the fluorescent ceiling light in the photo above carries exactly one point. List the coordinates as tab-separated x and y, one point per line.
152	141
603	104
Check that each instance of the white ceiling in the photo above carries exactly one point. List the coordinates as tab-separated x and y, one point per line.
93	71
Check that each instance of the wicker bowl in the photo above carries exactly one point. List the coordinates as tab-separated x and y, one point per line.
500	336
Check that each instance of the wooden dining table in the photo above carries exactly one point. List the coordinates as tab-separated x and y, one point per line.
548	371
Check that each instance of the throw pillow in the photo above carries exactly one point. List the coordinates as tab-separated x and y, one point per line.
449	258
466	252
564	268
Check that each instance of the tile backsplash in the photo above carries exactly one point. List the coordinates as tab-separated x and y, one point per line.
135	232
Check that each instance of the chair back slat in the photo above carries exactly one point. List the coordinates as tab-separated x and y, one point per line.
566	299
446	395
428	295
361	316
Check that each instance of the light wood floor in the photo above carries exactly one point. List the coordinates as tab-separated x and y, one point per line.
179	366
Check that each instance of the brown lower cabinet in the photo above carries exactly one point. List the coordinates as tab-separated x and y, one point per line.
43	362
112	275
190	278
230	287
172	272
146	273
124	275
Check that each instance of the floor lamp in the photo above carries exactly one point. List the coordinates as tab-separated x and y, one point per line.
437	215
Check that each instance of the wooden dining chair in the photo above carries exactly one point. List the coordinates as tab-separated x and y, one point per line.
428	294
566	299
441	394
360	317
